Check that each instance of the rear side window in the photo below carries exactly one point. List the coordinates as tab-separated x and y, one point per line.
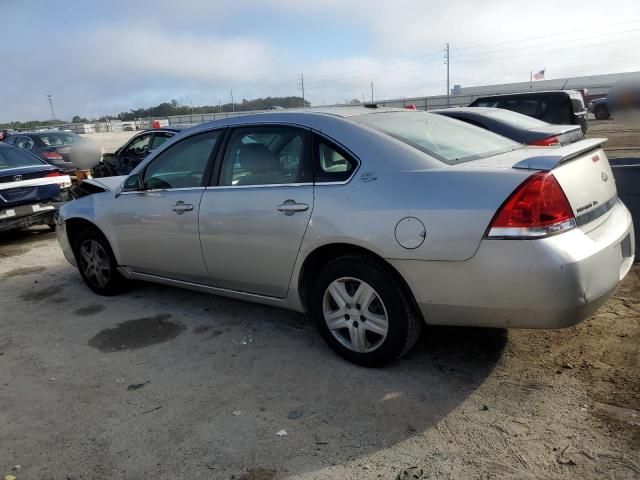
15	158
445	139
265	155
24	142
57	139
333	164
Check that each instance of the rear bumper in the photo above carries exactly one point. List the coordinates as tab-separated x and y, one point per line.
25	216
548	283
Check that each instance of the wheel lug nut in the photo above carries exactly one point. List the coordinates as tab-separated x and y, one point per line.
357	306
355	324
362	318
346	316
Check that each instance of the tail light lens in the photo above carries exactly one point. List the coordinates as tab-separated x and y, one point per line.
552	141
52	155
53	174
536	209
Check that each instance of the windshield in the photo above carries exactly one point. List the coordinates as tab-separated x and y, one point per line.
57	139
13	157
514	119
450	141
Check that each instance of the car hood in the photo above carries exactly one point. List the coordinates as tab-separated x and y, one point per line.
108	183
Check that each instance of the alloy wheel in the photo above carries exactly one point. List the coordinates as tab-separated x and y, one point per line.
95	262
355	314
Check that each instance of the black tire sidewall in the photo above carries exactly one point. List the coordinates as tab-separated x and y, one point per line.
398	309
116	281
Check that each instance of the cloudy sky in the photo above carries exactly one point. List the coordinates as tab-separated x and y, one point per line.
104	57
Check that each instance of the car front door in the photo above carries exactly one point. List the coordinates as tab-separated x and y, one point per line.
254	216
156	225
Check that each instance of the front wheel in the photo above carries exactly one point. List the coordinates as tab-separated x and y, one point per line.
363	313
97	263
602	113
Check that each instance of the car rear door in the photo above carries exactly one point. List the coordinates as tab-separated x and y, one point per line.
156	227
255	214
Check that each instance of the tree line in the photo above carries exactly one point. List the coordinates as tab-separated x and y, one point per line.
173	107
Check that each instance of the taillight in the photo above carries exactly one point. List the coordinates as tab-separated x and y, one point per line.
537	208
52	155
547	142
53	174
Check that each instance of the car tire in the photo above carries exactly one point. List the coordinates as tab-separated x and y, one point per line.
601	113
372	334
97	264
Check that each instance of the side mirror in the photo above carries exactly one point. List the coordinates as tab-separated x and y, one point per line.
133	183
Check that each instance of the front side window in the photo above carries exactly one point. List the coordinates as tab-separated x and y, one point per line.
182	165
138	146
265	156
334	165
57	139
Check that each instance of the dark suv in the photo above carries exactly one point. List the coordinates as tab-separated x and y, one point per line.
560	107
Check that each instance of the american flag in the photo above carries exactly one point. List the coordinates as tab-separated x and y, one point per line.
539	75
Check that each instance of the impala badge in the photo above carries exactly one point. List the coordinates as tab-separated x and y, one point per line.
604	176
17	178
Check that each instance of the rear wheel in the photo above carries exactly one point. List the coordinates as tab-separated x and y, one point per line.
363	314
97	263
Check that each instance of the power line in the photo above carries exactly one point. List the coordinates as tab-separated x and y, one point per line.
546	44
568	32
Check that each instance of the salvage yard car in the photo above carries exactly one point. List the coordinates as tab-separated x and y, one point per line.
374	221
52	146
30	189
560	107
127	157
517	127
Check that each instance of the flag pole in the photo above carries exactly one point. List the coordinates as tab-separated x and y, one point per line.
531	80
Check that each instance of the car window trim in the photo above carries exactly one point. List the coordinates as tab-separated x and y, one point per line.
339	148
202	185
307	154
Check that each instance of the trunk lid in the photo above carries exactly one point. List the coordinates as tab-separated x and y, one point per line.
565	134
581	168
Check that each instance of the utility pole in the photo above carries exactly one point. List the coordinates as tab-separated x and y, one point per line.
53	113
233	105
219	105
301	87
372	91
446	61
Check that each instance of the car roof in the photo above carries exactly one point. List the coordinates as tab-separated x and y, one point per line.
467	110
537	92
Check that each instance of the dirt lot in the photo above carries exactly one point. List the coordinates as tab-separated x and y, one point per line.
164	383
624	140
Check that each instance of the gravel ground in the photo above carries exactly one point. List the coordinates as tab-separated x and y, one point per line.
165	383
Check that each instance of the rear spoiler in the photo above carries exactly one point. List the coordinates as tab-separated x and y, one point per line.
559	155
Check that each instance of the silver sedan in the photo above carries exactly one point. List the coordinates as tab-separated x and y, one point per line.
373	221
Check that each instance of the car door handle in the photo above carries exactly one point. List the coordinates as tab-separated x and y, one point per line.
289	207
181	207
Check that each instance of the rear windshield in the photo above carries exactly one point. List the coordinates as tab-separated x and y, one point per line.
514	119
14	157
57	139
450	141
